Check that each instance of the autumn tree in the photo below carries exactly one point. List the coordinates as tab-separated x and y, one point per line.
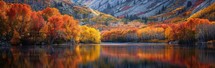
151	33
187	30
184	32
89	35
37	21
192	23
170	33
49	12
71	28
120	35
36	24
16	38
19	16
25	26
44	33
55	24
3	19
180	33
63	27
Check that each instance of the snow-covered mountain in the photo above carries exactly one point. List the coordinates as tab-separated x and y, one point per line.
144	8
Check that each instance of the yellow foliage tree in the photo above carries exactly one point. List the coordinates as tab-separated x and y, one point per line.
89	35
169	33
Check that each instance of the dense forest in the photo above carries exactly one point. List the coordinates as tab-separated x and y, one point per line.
20	24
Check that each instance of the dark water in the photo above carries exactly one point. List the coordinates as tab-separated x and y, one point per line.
108	56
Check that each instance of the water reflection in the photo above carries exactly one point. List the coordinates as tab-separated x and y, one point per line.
47	57
162	56
108	56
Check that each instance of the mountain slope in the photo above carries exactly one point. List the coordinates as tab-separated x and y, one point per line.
84	14
146	8
206	13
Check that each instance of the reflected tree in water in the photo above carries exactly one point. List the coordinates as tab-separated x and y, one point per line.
48	57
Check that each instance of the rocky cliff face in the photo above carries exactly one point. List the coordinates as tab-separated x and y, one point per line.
143	8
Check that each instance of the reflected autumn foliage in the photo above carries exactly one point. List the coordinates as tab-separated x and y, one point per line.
97	56
185	57
89	53
48	57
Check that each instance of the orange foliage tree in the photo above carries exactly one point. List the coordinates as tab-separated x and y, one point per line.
170	32
3	19
72	28
184	32
193	22
64	27
49	12
120	35
19	16
30	27
151	33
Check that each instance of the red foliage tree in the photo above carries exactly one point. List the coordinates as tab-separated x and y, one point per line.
55	27
193	22
37	21
19	16
4	29
185	32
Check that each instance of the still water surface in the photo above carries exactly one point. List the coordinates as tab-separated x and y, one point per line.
139	55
